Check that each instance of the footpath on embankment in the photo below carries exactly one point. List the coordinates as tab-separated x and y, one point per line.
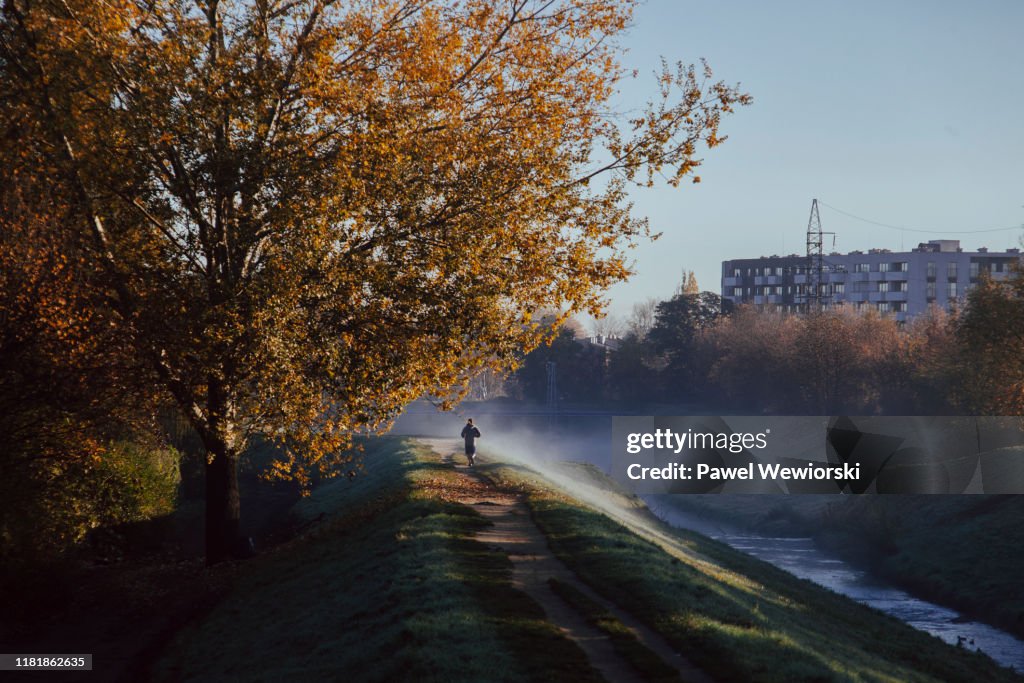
423	569
538	573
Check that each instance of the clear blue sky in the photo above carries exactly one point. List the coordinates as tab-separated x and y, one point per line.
906	113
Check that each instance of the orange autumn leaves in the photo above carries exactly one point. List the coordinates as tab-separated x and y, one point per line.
307	214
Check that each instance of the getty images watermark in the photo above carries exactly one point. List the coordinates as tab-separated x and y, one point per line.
837	454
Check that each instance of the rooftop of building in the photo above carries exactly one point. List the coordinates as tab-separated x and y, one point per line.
931	246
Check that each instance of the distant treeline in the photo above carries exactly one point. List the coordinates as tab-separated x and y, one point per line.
695	350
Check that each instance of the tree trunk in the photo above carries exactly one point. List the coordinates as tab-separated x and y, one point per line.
223	511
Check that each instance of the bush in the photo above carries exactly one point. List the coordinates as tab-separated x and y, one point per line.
50	505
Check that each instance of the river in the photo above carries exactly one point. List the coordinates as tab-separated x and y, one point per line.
802	558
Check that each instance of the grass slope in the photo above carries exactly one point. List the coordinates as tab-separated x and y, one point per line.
388	587
735	616
961	551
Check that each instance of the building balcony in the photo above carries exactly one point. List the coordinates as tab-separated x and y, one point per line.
731	281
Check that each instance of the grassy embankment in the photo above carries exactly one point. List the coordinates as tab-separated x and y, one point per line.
733	615
388	585
961	551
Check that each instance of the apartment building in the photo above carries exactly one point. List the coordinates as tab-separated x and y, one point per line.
902	284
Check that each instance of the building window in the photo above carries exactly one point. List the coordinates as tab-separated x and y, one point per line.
975	269
899	306
898	286
883	286
931	269
883	267
930	291
900	267
862	267
839	288
951	270
736	272
951	290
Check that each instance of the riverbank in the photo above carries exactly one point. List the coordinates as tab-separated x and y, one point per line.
963	552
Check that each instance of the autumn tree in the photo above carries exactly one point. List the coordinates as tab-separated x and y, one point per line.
989	337
917	371
689	284
308	212
752	355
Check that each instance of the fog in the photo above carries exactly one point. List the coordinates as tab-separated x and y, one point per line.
524	435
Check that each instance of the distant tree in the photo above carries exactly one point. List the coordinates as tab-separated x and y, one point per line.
631	375
990	343
308	212
832	361
608	326
836	356
579	368
750	356
916	374
487	385
641	318
689	284
677	327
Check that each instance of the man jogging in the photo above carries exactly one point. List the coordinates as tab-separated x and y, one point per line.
470	433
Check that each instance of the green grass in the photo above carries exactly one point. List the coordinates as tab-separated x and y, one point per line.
388	586
958	550
731	614
963	551
647	662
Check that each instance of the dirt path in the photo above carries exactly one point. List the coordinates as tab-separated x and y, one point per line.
514	532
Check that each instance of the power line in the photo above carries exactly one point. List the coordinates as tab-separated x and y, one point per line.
932	232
